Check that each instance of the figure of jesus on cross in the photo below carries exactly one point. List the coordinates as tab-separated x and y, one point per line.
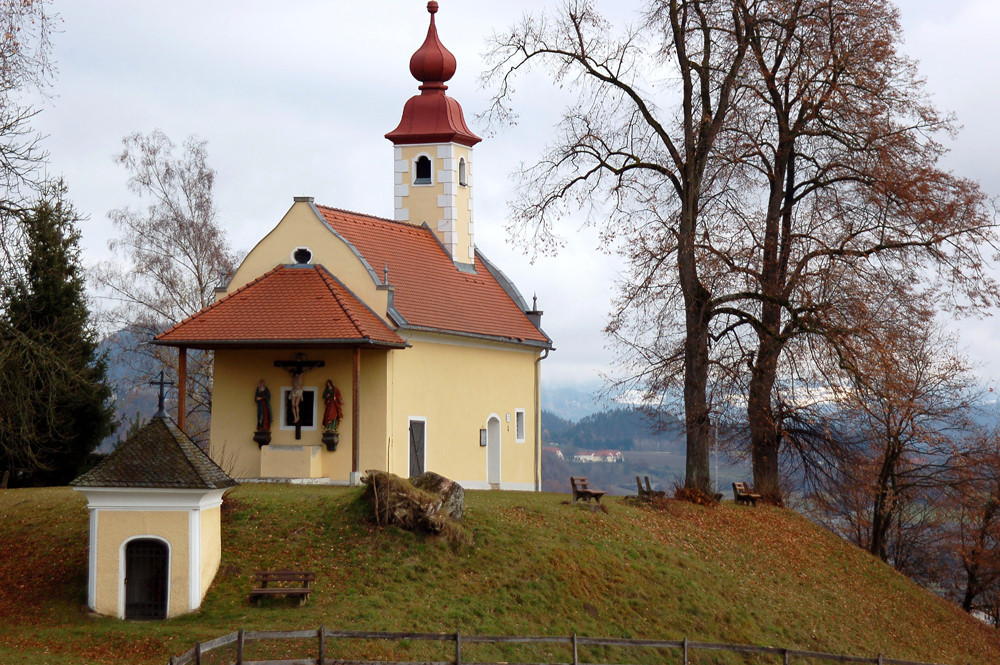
296	395
296	368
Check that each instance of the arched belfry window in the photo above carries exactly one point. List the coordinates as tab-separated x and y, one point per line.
463	179
423	171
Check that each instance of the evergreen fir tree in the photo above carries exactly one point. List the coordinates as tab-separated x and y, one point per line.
55	401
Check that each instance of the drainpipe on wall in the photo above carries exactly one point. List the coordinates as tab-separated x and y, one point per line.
538	419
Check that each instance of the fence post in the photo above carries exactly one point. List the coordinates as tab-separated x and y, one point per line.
576	653
685	651
322	645
880	659
239	647
458	647
784	656
197	653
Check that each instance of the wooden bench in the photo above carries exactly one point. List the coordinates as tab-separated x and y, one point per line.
648	492
581	490
742	494
289	583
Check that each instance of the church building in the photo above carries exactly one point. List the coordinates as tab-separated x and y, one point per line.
346	342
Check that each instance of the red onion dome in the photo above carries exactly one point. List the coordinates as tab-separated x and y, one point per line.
432	116
432	62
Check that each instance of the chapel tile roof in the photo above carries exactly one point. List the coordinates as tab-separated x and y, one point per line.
430	291
296	305
159	455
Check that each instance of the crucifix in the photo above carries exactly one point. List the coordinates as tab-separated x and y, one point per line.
297	368
162	383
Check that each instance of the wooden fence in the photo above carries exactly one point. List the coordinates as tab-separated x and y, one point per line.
320	636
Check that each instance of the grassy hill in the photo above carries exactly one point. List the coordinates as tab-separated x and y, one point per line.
539	566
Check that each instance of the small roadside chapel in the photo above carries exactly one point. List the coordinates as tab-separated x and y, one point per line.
155	523
346	342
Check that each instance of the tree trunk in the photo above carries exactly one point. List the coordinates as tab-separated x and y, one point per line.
696	411
697	315
971	590
765	439
882	506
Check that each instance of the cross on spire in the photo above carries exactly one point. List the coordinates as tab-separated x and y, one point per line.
162	383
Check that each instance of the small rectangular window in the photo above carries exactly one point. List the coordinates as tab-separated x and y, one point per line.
306	409
519	425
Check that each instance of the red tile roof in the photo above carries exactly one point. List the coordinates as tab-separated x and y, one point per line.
291	305
430	291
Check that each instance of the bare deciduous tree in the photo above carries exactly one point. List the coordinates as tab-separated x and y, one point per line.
905	403
794	172
837	189
618	144
25	65
170	256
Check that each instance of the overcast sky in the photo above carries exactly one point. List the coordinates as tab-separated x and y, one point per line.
294	99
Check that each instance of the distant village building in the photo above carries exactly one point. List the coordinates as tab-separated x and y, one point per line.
554	450
609	456
347	342
155	524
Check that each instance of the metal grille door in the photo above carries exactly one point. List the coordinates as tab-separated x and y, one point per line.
146	579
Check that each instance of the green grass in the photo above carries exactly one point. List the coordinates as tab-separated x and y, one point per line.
538	566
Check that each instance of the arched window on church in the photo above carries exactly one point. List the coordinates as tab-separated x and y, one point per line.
423	171
463	179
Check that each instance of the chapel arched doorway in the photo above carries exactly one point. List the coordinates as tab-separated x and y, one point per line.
146	571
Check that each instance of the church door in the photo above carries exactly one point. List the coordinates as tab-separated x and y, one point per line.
418	449
493	450
146	579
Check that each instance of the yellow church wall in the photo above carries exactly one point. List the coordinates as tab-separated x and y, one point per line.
301	227
114	527
374	389
278	461
234	414
211	546
456	384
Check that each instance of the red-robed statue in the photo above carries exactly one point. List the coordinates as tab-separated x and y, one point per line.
333	409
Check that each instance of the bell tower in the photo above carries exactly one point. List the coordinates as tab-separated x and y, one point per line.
433	153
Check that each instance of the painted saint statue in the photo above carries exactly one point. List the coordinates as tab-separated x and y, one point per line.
333	409
263	398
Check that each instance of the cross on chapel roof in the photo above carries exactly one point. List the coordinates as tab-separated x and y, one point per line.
161	411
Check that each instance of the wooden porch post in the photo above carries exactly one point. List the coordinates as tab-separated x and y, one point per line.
182	371
356	413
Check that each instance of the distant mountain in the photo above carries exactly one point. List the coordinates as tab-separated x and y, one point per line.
618	429
132	402
571	403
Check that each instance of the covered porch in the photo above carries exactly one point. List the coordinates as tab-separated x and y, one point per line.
300	383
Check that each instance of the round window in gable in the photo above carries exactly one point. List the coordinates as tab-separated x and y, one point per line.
302	255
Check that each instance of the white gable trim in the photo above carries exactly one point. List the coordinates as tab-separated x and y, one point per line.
150	498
